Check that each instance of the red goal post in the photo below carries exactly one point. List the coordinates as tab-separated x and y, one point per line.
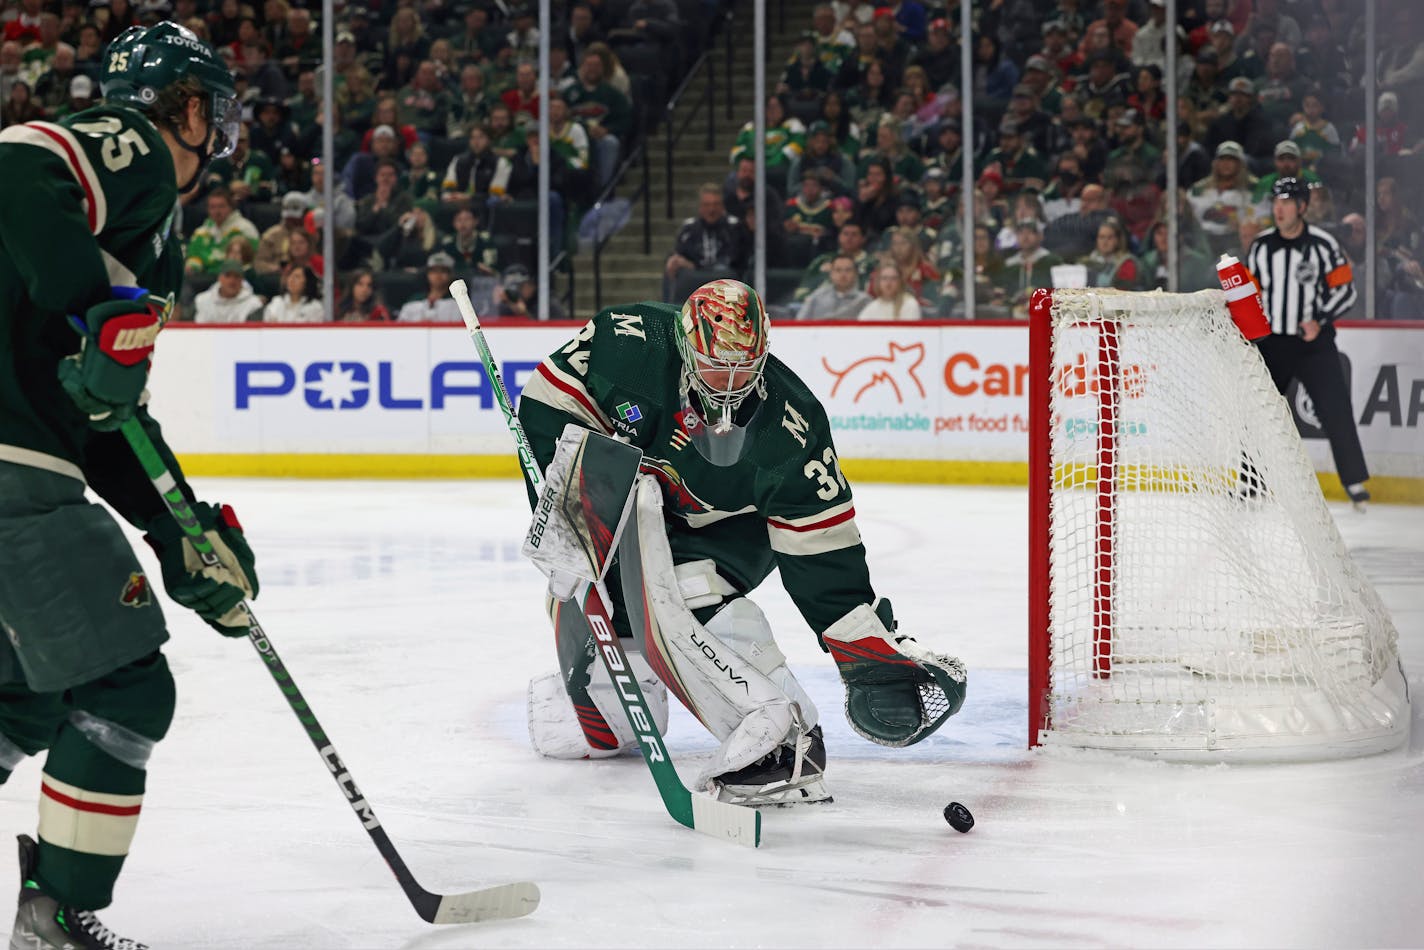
1189	594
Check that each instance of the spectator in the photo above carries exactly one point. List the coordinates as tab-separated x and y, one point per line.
1091	151
910	221
872	98
1196	269
949	155
1279	91
424	103
206	247
523	98
583	31
989	294
272	132
1222	199
857	63
605	112
410	243
889	44
362	302
1149	100
471	249
1243	122
890	299
808	215
20	106
835	172
247	175
52	87
1104	86
938	57
381	210
523	36
1149	43
303	106
1030	267
387	113
1313	134
910	20
806	77
1020	164
938	209
890	149
1221	36
298	302
1073	235
470	105
479	42
877	197
273	247
422	181
361	171
1111	263
919	276
1396	227
613	72
1035	126
737	190
1132	173
845	134
1193	163
1057	49
88	50
406	45
568	136
989	204
1114	20
850	242
436	306
1206	89
263	75
356	98
1064	192
81	96
344	217
1267	13
840	297
471	176
785	139
710	245
229	300
833	42
1391	132
1288	165
302	252
995	75
301	48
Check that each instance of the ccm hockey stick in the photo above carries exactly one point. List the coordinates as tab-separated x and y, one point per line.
491	903
699	812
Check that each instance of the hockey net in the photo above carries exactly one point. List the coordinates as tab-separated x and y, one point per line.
1190	595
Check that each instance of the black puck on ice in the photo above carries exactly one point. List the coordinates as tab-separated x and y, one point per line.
958	817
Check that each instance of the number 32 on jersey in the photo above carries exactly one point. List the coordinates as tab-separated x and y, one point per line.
827	473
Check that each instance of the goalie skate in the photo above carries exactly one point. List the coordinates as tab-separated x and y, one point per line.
793	774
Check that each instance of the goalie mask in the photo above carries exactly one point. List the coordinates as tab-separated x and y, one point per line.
722	340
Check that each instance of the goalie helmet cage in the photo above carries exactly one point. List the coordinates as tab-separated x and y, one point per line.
1189	594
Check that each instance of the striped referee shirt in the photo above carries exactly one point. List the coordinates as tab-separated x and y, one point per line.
1307	278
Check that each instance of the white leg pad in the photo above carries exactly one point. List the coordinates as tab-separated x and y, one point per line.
554	728
732	695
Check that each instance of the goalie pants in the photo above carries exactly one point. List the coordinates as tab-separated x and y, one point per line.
1316	366
80	676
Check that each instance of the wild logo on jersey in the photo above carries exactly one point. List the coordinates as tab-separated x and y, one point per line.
135	592
677	495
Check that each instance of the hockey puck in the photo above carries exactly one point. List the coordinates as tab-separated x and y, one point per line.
958	817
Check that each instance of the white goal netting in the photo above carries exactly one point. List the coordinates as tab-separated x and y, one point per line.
1201	601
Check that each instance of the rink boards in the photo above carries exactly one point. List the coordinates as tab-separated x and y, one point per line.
925	402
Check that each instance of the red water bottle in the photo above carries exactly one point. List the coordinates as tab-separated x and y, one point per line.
1243	298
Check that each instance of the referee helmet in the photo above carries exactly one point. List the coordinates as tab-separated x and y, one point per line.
1290	187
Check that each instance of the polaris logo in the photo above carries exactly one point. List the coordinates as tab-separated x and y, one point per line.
350	385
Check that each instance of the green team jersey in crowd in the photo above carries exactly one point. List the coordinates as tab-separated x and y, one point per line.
784	505
86	204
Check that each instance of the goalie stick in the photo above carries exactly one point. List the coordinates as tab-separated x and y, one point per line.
698	812
491	903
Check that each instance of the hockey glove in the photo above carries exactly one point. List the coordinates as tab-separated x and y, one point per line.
897	692
215	593
106	377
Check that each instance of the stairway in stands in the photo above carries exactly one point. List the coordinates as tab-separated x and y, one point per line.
628	273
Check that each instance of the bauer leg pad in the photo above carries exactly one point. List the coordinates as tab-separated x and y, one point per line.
558	730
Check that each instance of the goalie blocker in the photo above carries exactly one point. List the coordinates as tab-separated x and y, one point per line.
698	636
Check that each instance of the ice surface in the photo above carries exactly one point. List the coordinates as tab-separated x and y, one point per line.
409	620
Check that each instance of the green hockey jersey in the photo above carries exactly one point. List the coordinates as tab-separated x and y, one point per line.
784	505
86	203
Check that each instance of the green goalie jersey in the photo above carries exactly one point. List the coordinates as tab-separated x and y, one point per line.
783	505
86	203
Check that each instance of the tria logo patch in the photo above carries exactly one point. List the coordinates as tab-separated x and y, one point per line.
629	411
136	593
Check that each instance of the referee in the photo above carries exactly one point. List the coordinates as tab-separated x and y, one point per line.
1306	282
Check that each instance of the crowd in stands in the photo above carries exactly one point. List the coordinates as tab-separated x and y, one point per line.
865	151
436	157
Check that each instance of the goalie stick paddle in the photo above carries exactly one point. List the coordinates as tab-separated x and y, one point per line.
491	903
699	812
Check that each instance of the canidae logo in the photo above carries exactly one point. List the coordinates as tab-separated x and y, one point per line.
347	385
1079	378
896	370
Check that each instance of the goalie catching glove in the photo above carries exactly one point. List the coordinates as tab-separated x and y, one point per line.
897	692
216	593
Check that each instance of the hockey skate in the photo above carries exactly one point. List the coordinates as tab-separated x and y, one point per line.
1359	496
793	774
42	923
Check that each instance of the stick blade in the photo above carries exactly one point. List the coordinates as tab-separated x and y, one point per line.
734	823
504	902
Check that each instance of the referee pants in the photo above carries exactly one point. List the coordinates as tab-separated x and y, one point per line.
1317	365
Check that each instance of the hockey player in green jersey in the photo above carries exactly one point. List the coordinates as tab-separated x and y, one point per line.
88	242
741	472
